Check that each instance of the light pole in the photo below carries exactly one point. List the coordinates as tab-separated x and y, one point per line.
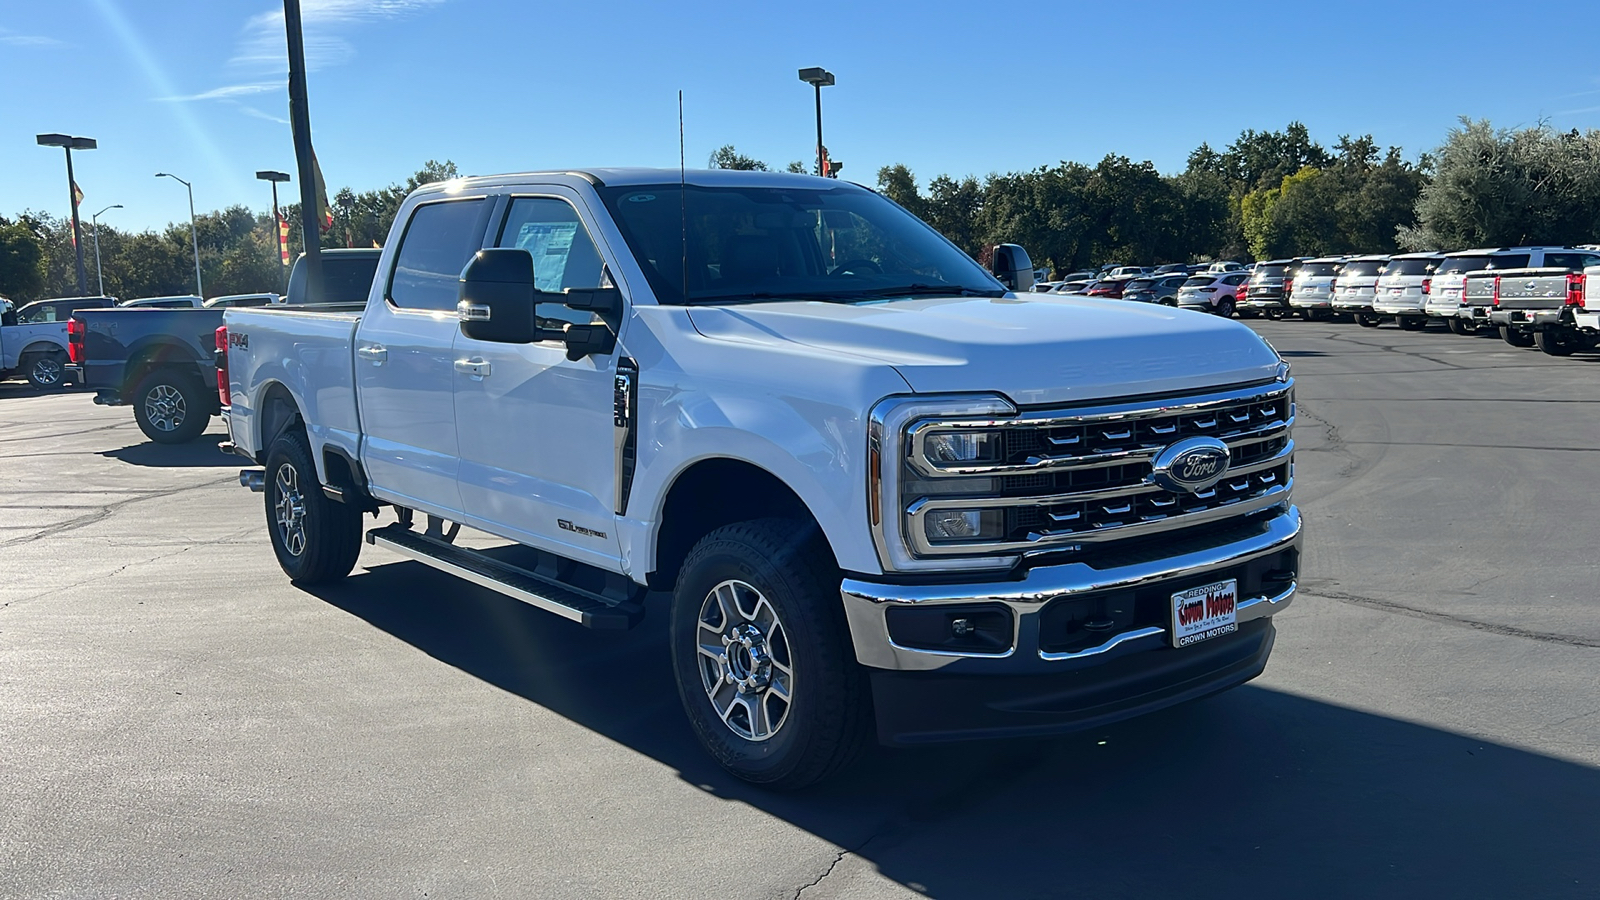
70	143
275	177
818	78
94	222
194	237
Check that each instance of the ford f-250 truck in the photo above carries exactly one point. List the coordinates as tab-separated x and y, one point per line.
33	339
879	486
1540	306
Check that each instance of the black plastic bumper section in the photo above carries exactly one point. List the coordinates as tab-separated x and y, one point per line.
930	707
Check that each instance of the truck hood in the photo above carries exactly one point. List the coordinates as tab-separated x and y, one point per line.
1035	351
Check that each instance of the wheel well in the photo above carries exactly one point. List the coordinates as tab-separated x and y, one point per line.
38	347
152	357
277	413
710	494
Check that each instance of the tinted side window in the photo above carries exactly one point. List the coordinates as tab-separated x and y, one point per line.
438	243
1573	261
1510	261
1235	280
564	256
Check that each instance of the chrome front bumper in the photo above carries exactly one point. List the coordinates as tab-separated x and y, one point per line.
867	604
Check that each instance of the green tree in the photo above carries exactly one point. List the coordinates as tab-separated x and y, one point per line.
726	157
21	262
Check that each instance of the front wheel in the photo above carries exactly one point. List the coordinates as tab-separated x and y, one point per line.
762	655
315	539
1514	337
170	407
47	371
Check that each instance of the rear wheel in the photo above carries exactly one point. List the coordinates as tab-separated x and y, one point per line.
1367	320
1461	326
1558	342
315	539
170	406
47	371
1275	313
762	655
1413	323
1225	308
1514	337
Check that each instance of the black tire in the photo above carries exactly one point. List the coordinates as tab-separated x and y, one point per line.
1412	323
1368	320
1557	342
1514	337
327	540
47	371
785	564
1275	313
1461	326
1225	308
171	406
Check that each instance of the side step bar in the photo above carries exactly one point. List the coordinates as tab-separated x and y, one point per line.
588	609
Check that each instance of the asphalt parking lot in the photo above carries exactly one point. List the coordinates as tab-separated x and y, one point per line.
176	720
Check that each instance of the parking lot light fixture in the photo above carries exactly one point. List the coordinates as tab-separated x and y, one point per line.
94	225
818	78
194	237
70	143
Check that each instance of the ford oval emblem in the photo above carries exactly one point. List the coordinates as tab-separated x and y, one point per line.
1192	465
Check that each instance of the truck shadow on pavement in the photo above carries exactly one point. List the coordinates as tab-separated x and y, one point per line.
1253	793
202	452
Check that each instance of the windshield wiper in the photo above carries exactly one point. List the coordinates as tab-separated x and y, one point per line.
757	296
925	290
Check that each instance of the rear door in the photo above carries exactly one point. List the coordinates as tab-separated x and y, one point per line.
537	430
405	367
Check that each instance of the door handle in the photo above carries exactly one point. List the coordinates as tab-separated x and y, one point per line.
477	368
373	353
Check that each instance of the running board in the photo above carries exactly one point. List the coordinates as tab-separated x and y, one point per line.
588	609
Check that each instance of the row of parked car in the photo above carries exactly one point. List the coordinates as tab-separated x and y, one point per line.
1544	296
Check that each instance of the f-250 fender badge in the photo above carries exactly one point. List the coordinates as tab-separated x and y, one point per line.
566	525
1190	465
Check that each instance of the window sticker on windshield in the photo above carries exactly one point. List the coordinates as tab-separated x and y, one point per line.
550	243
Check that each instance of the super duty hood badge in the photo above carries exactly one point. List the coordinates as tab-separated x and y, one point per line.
1192	465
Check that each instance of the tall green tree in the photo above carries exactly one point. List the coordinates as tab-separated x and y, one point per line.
21	262
726	157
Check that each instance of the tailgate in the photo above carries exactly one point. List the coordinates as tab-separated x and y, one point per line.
1533	288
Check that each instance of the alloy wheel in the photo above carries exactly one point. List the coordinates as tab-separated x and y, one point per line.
746	667
165	408
290	505
47	371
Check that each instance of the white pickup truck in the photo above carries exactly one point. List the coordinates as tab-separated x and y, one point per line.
880	487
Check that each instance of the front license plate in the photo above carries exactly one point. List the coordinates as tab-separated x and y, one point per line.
1205	612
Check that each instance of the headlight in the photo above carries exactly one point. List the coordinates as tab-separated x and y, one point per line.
962	446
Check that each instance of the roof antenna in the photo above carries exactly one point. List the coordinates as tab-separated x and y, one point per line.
683	200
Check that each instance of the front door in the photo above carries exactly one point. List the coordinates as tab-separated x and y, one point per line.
536	430
405	367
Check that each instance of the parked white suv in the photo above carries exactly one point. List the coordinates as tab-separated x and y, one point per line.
1210	292
1356	286
1402	291
1311	291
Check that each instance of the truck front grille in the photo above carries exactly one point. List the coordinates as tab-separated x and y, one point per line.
1077	477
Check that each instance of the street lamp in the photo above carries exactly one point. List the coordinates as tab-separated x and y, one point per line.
275	178
194	237
94	221
70	143
818	78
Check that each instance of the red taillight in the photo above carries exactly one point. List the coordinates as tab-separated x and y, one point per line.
1496	294
222	366
75	341
1575	284
1427	285
1244	291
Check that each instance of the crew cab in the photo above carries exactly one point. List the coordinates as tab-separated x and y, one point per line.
1540	306
33	339
160	358
881	487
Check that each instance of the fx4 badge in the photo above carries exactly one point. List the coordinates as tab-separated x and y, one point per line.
565	525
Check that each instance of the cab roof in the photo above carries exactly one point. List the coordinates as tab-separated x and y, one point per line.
624	177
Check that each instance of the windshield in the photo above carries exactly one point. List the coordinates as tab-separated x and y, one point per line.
1420	266
1265	271
1200	281
1319	269
1140	284
759	243
1363	267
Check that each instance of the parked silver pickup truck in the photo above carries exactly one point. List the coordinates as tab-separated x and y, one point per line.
1540	306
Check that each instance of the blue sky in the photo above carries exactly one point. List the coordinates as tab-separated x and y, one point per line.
197	87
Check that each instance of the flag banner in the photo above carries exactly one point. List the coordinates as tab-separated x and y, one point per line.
283	238
322	194
77	194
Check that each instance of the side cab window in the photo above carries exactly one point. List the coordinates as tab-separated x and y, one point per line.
564	255
438	242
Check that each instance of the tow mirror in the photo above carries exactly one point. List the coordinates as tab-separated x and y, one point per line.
1010	264
498	298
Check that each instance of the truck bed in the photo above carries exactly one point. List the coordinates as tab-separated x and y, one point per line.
304	352
151	335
